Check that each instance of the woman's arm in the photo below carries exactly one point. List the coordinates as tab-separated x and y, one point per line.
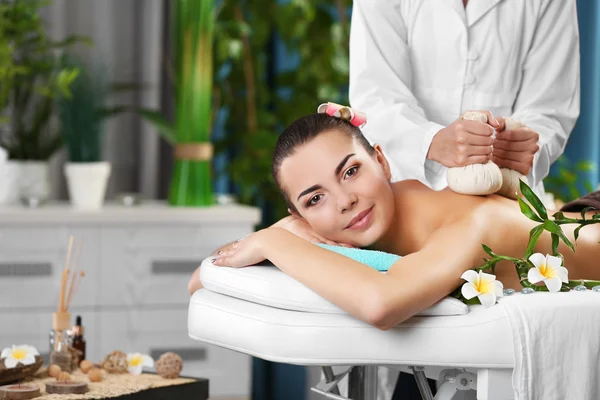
412	284
299	227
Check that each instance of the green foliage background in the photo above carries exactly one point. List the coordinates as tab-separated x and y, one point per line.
260	98
565	180
31	79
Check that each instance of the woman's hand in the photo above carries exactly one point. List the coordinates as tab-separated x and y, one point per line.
515	149
243	252
299	227
464	142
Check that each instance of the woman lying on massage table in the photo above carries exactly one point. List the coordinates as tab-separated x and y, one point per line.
332	178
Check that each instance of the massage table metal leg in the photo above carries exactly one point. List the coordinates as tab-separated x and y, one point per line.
330	377
455	380
452	381
328	386
362	382
494	384
422	384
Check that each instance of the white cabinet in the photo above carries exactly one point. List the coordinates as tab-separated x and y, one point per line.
134	296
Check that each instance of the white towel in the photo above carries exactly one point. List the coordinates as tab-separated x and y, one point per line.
557	344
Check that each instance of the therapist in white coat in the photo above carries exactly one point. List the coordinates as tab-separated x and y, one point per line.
416	66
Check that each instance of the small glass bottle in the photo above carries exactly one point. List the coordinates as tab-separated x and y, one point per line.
78	339
60	341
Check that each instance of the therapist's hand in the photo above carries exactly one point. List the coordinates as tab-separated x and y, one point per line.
463	142
299	227
515	149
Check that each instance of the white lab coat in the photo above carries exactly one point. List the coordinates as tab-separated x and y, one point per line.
416	66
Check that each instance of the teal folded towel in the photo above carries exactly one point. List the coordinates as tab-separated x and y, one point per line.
375	259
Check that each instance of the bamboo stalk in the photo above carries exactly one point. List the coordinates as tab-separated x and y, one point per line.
194	26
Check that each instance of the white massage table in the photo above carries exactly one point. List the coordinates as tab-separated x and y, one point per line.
264	313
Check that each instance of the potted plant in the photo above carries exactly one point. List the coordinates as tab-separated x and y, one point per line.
191	183
30	82
81	117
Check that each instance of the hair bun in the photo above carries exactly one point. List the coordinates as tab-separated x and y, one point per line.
355	117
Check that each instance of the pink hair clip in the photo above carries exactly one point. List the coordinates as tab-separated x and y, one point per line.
356	118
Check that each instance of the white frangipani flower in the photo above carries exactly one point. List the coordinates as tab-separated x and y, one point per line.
135	362
484	286
22	354
548	269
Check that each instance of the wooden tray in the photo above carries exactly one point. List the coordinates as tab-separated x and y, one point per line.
10	375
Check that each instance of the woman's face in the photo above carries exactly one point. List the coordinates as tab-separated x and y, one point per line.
339	189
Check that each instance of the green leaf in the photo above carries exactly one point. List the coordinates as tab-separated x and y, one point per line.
554	244
534	235
488	250
525	209
533	200
583	213
576	233
558	215
472	301
596	216
163	126
552	227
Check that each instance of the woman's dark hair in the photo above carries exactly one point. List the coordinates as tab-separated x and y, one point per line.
302	131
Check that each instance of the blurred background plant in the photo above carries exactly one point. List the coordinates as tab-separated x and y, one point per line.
274	61
567	180
31	79
82	114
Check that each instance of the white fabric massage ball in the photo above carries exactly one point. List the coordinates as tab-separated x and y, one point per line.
511	187
475	179
475	116
510	178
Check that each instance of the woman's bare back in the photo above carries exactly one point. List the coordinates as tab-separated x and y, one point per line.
423	211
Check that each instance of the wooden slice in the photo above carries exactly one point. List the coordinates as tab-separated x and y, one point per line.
19	392
66	387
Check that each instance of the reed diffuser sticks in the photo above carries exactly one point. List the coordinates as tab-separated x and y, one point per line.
68	288
73	285
65	275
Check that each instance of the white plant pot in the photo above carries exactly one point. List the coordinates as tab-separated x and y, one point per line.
87	184
19	179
